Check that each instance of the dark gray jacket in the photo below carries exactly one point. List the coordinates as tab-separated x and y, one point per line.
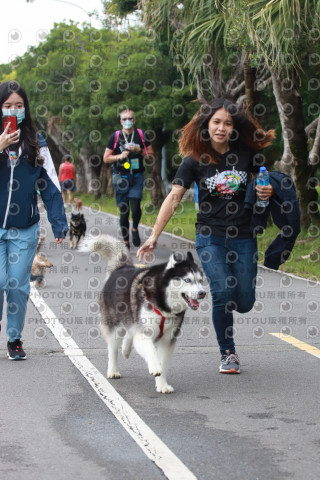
284	208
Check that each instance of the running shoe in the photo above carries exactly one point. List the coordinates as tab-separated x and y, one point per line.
136	238
229	363
15	350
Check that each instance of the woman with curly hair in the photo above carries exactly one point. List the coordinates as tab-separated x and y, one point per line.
220	147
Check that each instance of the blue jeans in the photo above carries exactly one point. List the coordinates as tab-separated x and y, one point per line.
231	268
17	250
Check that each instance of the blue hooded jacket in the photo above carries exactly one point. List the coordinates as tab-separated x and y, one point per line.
18	193
285	211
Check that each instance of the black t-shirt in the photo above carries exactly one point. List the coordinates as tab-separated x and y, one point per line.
221	191
135	159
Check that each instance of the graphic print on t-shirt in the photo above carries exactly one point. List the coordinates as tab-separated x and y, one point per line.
227	184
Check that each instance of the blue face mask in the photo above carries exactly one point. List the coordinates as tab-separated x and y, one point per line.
20	113
127	124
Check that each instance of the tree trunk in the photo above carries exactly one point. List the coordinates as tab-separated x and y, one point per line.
106	180
88	171
294	160
249	81
155	183
55	141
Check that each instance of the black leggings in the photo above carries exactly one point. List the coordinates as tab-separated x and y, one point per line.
135	205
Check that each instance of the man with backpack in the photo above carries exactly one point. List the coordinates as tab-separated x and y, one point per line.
125	150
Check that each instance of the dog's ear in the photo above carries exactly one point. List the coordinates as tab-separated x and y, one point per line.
190	257
172	261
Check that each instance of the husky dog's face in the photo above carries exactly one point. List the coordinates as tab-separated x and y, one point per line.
185	287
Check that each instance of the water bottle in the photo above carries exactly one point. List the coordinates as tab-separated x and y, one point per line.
262	179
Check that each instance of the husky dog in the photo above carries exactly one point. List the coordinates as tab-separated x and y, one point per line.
39	265
78	228
144	307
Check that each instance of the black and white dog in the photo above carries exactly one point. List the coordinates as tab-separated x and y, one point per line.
78	229
144	307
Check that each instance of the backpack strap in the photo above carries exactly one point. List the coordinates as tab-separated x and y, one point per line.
116	138
142	139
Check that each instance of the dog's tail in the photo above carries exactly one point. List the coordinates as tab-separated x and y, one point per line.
40	242
112	250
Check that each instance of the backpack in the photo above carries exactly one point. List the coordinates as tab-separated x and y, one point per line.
117	138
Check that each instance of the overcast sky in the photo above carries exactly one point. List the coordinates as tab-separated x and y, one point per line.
24	24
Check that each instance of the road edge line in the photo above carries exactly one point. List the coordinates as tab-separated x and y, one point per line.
154	448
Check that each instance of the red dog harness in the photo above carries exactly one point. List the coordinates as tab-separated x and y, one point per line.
160	314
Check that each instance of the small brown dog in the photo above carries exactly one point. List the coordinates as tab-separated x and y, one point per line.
77	205
39	265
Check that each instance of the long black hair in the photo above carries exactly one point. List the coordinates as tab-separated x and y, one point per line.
28	131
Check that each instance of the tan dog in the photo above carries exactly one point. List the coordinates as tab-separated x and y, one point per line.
78	204
39	265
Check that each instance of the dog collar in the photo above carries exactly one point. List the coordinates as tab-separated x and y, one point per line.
160	315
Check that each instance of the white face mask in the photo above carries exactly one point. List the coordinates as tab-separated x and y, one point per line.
20	113
127	124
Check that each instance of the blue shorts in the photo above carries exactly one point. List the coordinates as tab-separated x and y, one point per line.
127	186
68	185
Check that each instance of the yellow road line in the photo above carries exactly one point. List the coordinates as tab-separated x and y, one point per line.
297	343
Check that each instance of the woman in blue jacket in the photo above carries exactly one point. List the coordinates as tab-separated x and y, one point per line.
25	167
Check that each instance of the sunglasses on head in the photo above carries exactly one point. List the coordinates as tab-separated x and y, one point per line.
127	118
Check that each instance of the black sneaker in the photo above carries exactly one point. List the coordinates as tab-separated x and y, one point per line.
136	238
15	350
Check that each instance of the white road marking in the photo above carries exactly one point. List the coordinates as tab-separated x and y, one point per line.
147	440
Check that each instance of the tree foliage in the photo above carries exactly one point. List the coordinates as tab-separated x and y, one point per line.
85	77
269	43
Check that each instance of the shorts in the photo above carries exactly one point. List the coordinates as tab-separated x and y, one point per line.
127	186
68	185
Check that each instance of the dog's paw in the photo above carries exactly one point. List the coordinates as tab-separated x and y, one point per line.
113	375
155	370
164	388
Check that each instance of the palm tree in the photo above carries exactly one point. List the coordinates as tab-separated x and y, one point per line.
289	24
272	36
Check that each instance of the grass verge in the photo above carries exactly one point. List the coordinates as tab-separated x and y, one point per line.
304	260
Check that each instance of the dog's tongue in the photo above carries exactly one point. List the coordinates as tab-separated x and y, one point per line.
194	304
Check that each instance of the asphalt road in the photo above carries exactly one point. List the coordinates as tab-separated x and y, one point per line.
60	420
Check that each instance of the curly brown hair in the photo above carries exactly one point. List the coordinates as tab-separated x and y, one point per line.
195	140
